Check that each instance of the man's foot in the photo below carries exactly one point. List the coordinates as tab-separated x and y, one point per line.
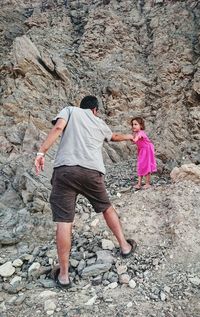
61	283
133	246
146	186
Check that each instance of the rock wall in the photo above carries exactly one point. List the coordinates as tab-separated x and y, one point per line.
140	58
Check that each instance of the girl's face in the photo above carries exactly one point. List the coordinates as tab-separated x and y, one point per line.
135	126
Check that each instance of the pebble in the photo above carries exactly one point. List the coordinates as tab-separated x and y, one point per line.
112	285
16	279
49	305
121	269
162	296
7	269
132	284
17	263
34	267
20	299
107	244
95	222
195	281
124	279
91	301
47	294
167	289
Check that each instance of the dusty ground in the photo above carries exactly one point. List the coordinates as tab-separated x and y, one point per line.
164	221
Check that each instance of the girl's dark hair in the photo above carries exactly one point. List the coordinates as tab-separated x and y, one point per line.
89	102
140	121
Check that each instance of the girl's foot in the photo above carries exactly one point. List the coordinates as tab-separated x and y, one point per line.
138	186
146	186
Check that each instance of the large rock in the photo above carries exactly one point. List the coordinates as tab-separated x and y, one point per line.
189	172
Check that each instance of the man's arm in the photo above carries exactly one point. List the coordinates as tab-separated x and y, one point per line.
117	137
54	133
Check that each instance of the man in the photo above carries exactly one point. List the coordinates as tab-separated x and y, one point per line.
79	168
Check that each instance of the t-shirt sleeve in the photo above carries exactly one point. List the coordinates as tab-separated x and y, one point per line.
107	132
63	114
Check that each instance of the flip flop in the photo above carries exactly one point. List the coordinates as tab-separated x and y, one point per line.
58	283
133	245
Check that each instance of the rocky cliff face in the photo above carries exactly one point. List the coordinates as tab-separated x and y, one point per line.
138	57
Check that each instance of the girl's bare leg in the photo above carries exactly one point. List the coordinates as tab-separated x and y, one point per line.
139	184
148	180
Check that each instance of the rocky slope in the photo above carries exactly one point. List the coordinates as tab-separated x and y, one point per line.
139	58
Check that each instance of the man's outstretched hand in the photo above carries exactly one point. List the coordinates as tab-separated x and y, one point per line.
39	164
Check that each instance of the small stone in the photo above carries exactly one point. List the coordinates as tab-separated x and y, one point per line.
155	262
17	263
124	278
47	283
2	307
104	256
132	284
121	269
96	269
97	280
34	267
91	301
162	296
195	280
167	289
7	269
16	279
20	299
112	285
12	300
74	263
49	305
51	261
47	294
108	300
129	305
28	257
107	244
94	223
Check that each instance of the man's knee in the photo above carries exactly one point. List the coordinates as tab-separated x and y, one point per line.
109	210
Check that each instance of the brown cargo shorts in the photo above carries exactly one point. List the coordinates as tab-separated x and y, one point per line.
69	181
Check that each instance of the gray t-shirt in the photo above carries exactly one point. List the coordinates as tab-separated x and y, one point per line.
82	139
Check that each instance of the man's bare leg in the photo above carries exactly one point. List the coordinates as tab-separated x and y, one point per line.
114	224
63	242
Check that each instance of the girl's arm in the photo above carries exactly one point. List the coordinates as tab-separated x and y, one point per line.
117	137
136	137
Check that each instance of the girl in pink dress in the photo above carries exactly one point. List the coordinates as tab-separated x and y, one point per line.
146	162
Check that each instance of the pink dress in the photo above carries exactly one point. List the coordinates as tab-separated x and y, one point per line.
146	162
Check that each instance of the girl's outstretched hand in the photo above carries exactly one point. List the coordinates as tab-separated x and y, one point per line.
130	137
39	164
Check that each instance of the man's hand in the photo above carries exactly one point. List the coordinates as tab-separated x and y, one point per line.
130	137
39	164
117	137
54	133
